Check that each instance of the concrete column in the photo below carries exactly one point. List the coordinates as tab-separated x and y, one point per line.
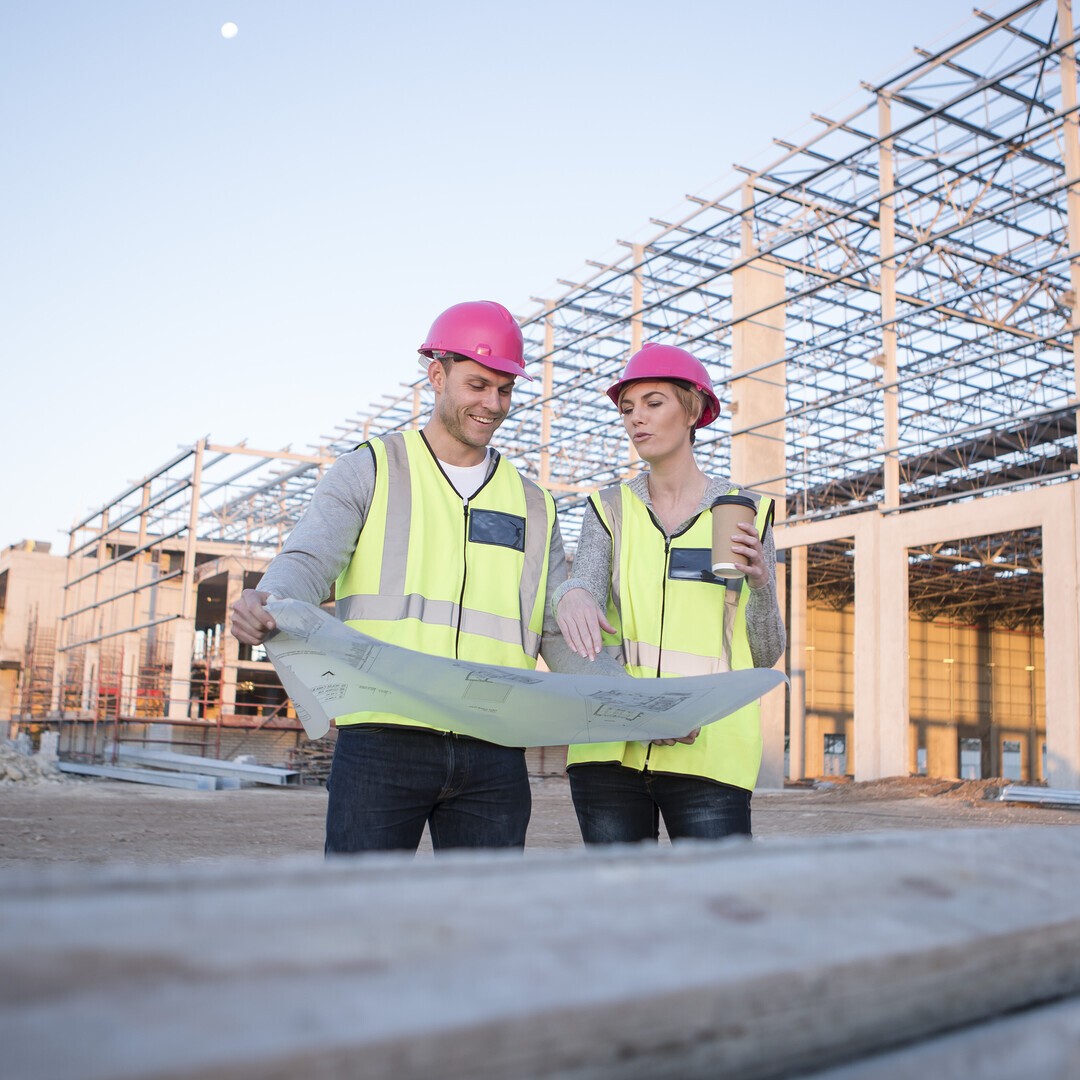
759	379
1070	134
758	407
230	651
129	675
797	625
183	631
1061	531
91	679
1061	641
59	672
881	650
887	239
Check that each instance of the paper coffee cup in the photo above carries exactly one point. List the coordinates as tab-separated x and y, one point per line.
727	512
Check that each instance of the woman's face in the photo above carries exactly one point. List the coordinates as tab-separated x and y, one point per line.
654	418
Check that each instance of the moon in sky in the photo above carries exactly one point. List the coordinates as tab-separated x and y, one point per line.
229	30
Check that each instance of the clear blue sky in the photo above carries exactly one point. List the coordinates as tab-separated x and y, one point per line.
249	237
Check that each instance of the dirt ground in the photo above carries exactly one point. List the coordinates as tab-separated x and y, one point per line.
94	821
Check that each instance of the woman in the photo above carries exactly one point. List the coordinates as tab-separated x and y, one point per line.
643	576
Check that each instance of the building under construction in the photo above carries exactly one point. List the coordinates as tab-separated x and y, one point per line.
889	311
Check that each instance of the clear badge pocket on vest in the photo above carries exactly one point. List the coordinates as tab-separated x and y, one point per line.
498	528
694	564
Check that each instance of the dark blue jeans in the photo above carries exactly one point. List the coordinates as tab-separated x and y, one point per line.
617	805
386	783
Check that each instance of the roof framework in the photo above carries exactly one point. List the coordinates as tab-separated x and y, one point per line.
930	277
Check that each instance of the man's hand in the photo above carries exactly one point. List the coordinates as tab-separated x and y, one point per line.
251	622
581	621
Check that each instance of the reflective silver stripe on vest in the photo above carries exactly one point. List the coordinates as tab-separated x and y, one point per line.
536	549
641	654
398	514
437	613
611	500
500	628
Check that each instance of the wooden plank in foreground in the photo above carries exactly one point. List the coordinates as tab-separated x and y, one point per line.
747	959
1043	1042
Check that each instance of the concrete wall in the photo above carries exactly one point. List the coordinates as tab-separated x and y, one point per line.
32	587
963	682
830	684
266	747
976	683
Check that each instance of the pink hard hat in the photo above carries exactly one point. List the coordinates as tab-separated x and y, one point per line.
654	361
482	331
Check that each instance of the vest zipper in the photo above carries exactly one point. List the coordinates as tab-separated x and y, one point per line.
464	575
493	458
663	604
660	647
663	599
663	584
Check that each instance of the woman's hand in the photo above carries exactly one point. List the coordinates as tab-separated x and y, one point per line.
747	545
581	620
688	739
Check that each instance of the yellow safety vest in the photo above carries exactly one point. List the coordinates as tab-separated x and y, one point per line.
454	577
673	618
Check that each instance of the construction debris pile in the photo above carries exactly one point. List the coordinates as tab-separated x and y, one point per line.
18	764
312	759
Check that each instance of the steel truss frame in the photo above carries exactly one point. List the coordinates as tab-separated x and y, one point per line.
930	246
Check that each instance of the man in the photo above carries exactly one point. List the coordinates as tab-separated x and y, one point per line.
437	544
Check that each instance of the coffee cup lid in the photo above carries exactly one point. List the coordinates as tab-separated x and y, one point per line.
735	500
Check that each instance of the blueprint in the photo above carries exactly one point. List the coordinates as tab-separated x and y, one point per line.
329	670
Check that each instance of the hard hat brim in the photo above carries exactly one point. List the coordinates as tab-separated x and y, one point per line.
712	403
494	363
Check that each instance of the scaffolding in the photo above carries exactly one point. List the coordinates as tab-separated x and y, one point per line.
39	660
150	574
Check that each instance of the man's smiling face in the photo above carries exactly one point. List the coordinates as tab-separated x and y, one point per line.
472	402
